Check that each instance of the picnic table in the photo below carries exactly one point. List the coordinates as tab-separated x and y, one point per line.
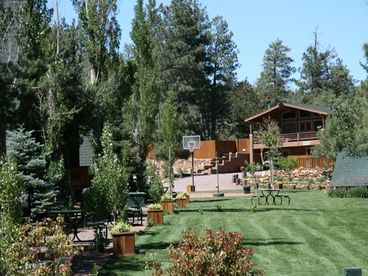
77	219
269	197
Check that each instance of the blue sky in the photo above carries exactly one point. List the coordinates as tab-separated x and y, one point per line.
341	25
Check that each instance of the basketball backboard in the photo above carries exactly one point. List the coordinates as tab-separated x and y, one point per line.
191	142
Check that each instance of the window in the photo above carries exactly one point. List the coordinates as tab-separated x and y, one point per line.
289	115
305	114
288	127
317	125
305	126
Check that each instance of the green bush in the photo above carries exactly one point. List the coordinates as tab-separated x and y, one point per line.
354	192
220	253
156	189
41	249
109	190
11	189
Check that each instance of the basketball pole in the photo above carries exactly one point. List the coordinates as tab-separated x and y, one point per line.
193	187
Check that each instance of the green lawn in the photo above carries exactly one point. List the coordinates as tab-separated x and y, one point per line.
314	235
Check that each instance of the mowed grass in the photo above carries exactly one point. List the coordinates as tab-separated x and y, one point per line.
314	235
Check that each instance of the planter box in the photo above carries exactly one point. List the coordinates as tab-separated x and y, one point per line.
279	185
190	188
168	206
246	189
156	216
182	202
123	244
187	199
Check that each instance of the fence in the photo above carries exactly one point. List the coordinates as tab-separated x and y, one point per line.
308	161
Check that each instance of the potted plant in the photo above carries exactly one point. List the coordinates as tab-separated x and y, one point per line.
167	203
181	200
123	239
187	197
155	213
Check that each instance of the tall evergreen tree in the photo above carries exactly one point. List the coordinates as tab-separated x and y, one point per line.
142	108
31	163
276	76
33	38
242	101
221	69
184	39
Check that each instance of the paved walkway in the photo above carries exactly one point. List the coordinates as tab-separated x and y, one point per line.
206	183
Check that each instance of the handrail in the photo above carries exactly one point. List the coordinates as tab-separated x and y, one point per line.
294	137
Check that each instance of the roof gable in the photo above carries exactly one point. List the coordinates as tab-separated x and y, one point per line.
350	171
323	110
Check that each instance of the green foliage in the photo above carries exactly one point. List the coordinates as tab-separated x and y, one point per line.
166	197
216	253
120	227
287	164
351	192
273	83
156	189
31	163
252	168
43	249
11	189
109	190
154	206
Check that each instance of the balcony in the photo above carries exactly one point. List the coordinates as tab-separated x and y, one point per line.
294	139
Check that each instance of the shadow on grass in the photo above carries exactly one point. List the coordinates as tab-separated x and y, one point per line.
126	263
223	210
208	200
155	245
147	233
267	242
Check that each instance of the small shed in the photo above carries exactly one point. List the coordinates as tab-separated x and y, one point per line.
350	171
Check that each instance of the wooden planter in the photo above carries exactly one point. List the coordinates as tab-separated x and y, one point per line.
168	206
156	216
187	199
123	244
279	185
182	202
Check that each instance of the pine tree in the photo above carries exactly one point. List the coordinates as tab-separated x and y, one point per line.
273	84
221	69
31	163
184	38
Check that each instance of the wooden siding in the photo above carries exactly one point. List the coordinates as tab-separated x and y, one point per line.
308	161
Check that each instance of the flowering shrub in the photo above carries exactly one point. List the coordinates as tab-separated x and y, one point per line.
219	253
42	249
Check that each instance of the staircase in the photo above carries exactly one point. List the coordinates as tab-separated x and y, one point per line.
229	162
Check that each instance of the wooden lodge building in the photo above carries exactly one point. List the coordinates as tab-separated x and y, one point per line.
299	126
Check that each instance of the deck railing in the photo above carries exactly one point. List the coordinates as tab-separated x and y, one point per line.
295	137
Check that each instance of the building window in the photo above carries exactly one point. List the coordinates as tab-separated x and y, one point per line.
305	114
289	115
288	127
305	126
317	125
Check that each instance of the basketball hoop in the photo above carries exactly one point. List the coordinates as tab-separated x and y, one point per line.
191	143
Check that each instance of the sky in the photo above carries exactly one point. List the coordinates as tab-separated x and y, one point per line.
340	24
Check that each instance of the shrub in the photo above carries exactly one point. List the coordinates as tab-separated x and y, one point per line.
156	189
43	249
156	206
354	192
219	253
120	227
166	197
109	190
11	189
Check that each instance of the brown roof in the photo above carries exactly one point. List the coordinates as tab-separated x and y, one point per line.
322	110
